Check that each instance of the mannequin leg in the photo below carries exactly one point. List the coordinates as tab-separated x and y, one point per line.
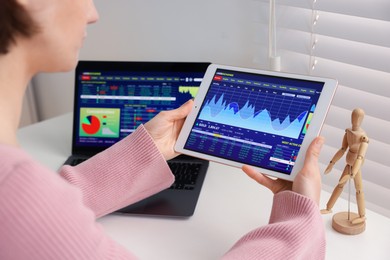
359	199
336	192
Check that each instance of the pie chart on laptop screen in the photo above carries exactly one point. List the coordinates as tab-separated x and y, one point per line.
91	124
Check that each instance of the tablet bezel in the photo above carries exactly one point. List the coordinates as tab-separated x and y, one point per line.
322	107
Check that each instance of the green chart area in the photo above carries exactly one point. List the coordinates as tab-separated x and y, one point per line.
308	121
99	122
191	90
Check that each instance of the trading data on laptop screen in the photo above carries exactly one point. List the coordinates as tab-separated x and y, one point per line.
112	104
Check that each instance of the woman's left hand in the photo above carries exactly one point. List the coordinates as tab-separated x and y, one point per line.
165	128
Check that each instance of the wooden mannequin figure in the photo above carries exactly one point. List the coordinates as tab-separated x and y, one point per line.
355	142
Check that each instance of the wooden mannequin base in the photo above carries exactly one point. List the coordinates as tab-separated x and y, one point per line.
341	224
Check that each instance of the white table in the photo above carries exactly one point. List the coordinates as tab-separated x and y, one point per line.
230	205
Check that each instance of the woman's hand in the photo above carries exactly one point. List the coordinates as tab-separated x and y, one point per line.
165	128
308	180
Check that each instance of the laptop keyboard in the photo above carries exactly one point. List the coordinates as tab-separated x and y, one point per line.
77	161
186	173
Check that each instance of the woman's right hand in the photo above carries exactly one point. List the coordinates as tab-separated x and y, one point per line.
308	180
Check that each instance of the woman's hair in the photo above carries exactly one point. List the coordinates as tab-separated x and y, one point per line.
14	21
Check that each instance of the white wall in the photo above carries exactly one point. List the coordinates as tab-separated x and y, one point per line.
220	31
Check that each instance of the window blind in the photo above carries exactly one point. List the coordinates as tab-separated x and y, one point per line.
347	40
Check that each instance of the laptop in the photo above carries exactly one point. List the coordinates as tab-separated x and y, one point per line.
112	98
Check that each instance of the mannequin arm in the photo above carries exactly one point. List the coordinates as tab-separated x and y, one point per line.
338	155
361	155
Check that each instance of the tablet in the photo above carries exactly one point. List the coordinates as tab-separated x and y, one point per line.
260	118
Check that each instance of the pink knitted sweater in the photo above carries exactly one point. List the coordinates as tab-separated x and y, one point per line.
47	216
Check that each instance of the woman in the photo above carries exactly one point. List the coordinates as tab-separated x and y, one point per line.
46	216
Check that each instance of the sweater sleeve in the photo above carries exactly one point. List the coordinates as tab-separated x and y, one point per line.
43	217
125	173
295	231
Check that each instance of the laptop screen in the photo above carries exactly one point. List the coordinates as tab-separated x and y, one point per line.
113	98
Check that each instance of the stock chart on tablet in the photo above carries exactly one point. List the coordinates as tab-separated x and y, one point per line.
254	119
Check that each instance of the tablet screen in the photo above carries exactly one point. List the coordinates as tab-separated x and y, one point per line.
260	120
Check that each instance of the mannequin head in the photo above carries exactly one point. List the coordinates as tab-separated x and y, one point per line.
357	118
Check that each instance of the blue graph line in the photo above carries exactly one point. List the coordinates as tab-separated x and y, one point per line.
246	117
